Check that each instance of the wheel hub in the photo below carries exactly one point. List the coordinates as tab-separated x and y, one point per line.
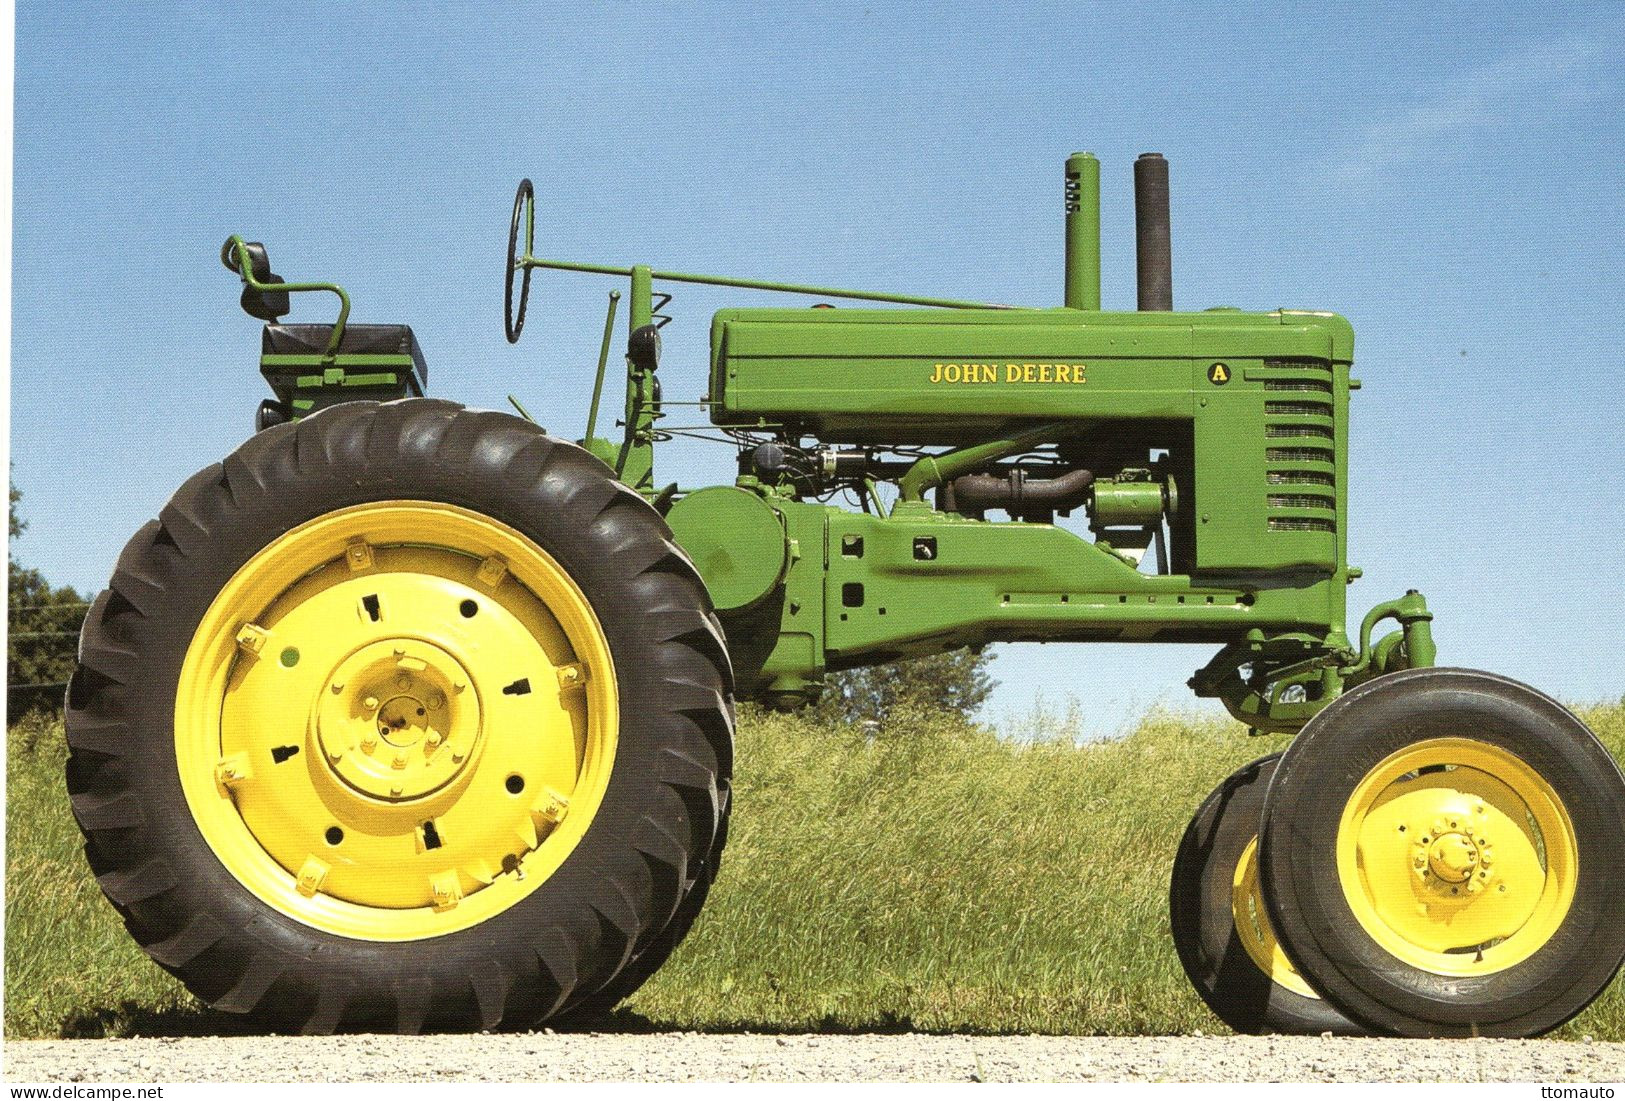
404	716
1453	858
1425	879
399	720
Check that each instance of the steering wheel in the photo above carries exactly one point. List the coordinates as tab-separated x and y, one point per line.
524	200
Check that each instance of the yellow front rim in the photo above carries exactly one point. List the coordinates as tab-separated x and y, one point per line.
1254	929
396	720
1457	857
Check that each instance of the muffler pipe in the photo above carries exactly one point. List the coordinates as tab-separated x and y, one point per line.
1154	259
1015	492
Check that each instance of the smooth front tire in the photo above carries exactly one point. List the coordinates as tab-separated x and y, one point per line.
1441	855
1221	930
404	716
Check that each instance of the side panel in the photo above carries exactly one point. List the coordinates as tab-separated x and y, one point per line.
957	376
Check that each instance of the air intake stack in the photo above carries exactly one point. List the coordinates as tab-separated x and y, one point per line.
1083	232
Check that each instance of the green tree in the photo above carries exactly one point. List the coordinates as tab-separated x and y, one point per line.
43	625
957	682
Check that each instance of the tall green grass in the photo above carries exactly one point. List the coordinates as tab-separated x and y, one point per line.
927	875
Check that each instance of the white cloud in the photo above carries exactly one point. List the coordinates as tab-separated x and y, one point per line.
1549	75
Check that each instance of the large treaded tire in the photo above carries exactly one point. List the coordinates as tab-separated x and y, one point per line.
651	846
1317	791
643	966
1202	916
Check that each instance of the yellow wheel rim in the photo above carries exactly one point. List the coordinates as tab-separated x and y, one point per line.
1457	857
1253	926
396	720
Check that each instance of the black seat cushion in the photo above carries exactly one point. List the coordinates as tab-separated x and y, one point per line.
308	340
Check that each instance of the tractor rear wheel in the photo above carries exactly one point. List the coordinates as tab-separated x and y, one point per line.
1441	852
405	716
1221	929
643	966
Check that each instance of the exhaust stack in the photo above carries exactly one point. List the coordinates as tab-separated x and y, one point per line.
1153	245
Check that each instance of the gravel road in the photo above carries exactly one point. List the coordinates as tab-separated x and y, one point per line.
684	1057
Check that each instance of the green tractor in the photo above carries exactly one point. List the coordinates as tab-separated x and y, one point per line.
409	716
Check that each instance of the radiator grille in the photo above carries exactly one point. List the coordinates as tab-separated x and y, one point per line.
1300	477
1298	408
1303	429
1301	523
1301	500
1298	454
1287	431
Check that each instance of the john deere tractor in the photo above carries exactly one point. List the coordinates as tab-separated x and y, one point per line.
410	716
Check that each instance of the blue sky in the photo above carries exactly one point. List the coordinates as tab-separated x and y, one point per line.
1450	177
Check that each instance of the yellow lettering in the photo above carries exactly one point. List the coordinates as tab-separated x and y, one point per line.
1027	371
1045	372
990	372
1012	372
1063	372
936	373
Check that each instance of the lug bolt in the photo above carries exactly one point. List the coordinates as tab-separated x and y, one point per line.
436	700
403	681
370	703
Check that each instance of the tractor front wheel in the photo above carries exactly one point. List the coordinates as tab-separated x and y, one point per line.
1441	854
1221	929
404	716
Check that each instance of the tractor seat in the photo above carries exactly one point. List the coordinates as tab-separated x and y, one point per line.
311	340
